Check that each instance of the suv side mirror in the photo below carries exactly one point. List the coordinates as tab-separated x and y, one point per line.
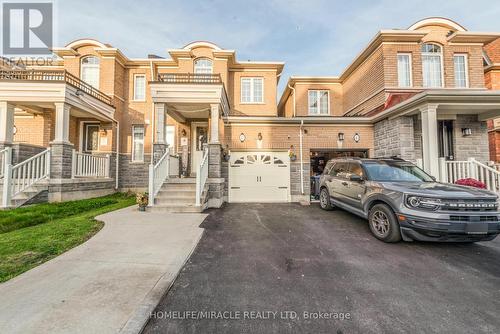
355	178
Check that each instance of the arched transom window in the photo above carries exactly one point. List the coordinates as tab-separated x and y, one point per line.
203	65
90	71
432	65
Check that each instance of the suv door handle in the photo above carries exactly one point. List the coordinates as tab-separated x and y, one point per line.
345	183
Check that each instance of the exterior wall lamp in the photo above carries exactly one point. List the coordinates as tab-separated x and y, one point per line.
341	136
259	136
466	132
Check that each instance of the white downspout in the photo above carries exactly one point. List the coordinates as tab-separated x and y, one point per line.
301	160
152	116
117	160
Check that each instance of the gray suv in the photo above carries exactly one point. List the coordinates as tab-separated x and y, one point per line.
401	201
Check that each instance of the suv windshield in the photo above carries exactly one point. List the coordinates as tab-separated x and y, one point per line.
395	172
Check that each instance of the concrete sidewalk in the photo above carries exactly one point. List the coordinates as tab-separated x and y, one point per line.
106	285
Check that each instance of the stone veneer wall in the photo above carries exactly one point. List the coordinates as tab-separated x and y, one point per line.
133	175
216	183
417	136
395	137
295	190
75	189
475	145
21	152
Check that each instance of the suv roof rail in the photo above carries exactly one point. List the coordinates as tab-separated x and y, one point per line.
390	158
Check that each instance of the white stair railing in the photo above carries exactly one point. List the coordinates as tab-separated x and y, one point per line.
158	173
24	175
90	165
472	168
5	158
201	177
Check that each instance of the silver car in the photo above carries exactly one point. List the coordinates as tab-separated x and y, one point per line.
401	201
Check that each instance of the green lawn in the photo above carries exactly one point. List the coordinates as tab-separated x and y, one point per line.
32	235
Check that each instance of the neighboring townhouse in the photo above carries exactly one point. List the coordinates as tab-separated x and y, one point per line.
420	89
96	121
492	81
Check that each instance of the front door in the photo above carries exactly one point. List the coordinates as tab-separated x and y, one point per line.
90	138
199	137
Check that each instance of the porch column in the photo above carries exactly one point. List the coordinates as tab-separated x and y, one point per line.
430	153
6	124
214	124
61	150
159	145
216	182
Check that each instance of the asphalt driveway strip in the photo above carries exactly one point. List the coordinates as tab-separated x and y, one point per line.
268	268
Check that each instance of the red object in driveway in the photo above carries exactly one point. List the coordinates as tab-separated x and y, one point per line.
471	183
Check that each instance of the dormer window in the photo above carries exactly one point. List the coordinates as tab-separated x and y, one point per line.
203	66
89	71
432	65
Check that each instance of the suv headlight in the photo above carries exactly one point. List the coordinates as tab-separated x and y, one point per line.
425	203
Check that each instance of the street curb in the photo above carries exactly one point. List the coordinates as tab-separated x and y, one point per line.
138	320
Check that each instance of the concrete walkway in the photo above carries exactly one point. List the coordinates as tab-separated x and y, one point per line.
106	285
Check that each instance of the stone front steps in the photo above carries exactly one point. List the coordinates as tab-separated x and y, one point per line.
177	195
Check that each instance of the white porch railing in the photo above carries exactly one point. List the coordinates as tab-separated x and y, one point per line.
451	171
5	158
158	173
90	165
201	177
24	175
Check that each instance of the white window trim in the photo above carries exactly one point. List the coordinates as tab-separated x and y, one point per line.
143	144
252	90
172	145
466	63
134	88
441	63
410	59
319	107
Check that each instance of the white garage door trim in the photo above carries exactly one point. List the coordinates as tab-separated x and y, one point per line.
259	177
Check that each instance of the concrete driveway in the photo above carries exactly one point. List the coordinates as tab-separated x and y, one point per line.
108	284
278	258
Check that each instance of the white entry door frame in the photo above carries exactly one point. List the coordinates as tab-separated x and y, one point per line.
199	136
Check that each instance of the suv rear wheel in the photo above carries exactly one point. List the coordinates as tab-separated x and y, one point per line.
324	200
383	223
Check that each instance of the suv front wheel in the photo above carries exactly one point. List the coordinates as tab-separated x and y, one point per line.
324	200
383	223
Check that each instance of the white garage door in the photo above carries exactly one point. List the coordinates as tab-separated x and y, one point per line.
259	177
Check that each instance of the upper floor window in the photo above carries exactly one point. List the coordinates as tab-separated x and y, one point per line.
138	143
203	65
139	87
252	90
432	65
460	65
318	102
404	70
90	71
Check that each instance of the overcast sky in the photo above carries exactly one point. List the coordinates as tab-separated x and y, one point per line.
313	37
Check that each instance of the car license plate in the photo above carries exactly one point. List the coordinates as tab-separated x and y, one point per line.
476	228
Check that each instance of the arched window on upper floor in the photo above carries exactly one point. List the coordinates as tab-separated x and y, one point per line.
432	65
89	71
